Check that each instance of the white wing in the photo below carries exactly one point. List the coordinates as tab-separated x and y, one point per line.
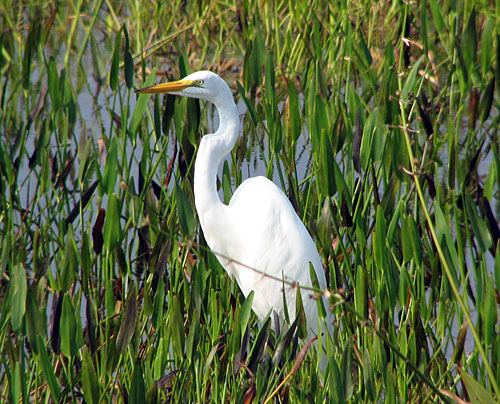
261	231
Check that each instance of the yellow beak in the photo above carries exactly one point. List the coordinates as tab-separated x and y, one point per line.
170	87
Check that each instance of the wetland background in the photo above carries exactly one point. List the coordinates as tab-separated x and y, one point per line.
378	119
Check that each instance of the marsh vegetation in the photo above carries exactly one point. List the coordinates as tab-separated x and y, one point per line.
379	121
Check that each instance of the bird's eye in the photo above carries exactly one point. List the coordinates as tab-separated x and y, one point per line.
200	82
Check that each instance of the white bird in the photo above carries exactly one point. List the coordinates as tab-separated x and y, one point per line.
258	233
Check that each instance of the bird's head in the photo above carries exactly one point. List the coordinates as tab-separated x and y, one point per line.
203	84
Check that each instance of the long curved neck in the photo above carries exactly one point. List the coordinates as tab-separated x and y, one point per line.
212	150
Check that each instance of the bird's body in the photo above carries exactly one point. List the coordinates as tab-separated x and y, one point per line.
281	248
259	232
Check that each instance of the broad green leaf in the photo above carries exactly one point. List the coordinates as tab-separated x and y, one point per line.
360	292
111	168
404	285
326	170
121	261
318	121
247	77
486	52
250	108
494	147
193	336
381	253
346	371
456	357
84	154
184	67
497	267
452	156
71	333
411	79
97	62
483	235
159	360
160	122
406	241
259	345
487	100
112	229
226	183
368	375
365	52
18	286
294	112
271	107
141	105
7	165
184	212
5	249
90	382
490	313
372	140
29	48
337	382
69	99
53	85
443	232
109	298
477	393
111	356
91	327
435	7
115	63
491	181
36	321
15	378
255	61
158	304
342	188
147	308
192	125
270	82
245	311
48	370
300	315
66	271
128	61
379	239
416	240
315	284
198	291
210	356
177	325
469	41
284	343
152	392
128	320
137	393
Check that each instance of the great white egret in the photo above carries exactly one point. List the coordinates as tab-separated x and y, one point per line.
259	229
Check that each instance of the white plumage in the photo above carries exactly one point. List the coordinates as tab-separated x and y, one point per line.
259	228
